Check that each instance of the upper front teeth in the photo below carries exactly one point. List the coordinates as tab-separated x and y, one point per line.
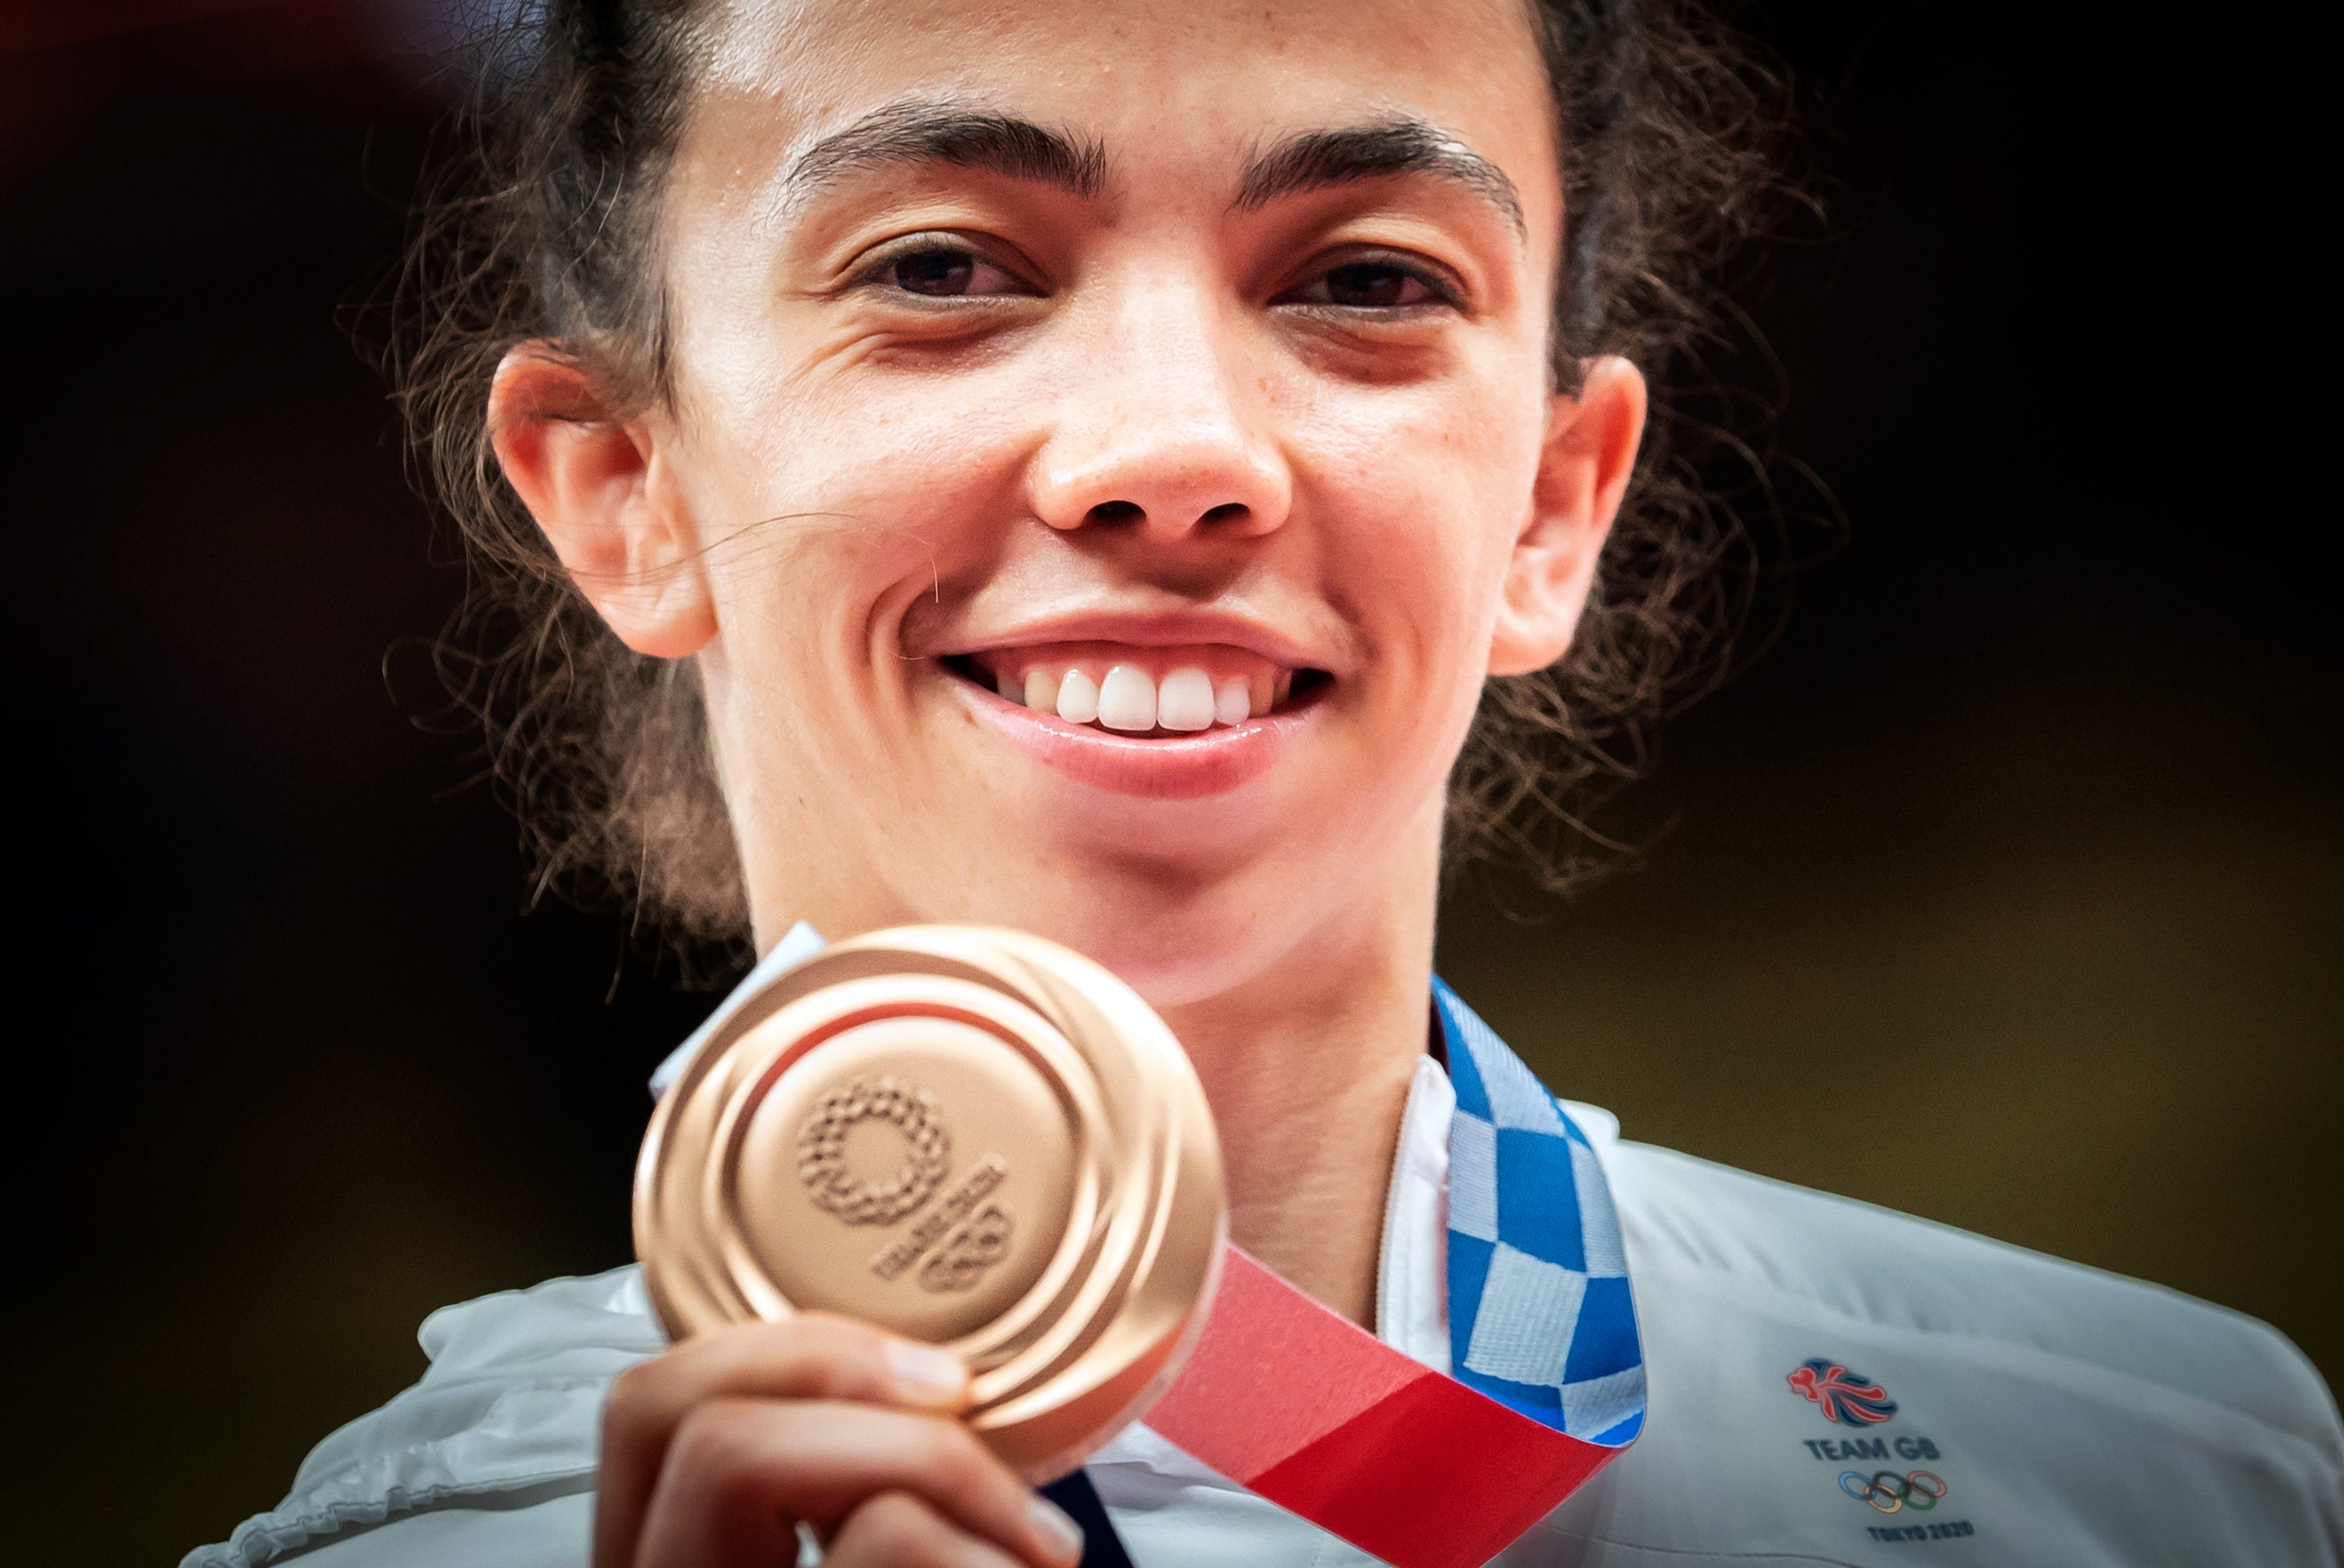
1184	701
1126	697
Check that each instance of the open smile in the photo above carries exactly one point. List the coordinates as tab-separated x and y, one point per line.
1159	691
1169	722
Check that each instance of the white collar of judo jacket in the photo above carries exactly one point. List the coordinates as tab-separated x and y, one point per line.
509	1411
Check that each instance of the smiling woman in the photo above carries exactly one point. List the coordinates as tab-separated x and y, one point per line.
1134	474
553	235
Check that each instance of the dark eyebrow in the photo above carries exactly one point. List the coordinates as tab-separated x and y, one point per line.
1316	159
925	130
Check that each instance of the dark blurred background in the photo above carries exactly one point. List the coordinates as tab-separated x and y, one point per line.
2004	888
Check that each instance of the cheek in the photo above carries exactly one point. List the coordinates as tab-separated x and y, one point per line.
799	441
1423	494
820	500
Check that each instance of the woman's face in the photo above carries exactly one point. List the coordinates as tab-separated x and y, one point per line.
1139	362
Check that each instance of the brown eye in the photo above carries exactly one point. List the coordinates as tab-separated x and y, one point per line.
934	272
937	268
1371	284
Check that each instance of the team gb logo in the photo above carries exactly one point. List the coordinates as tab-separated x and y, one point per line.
1847	1398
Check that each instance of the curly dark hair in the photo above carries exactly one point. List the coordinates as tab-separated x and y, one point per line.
543	226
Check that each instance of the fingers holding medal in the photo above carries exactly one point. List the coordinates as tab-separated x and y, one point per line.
716	1451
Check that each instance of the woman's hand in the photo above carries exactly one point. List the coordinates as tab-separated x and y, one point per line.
714	1452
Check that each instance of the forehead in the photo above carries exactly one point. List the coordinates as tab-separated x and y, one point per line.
1178	96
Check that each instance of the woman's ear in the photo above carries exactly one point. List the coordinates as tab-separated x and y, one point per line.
600	489
1590	453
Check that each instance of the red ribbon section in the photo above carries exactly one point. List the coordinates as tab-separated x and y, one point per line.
1325	1420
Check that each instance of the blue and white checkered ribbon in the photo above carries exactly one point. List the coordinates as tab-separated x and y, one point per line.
1540	1314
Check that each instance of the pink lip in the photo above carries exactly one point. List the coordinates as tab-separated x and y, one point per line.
1211	763
1158	632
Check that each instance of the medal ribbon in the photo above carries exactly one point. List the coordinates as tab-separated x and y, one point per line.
1425	1471
1421	1469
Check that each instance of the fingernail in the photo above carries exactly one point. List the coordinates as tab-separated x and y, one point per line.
926	1374
1051	1523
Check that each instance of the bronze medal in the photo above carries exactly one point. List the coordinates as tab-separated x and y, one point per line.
968	1136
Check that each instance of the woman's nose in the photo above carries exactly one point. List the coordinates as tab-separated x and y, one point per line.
1158	435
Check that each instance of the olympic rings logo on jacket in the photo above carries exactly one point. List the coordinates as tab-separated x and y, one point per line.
1888	1491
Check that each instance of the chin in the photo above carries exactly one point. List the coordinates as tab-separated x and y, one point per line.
1176	943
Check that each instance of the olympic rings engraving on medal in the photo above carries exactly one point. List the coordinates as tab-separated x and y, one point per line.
962	1261
821	1150
1888	1491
